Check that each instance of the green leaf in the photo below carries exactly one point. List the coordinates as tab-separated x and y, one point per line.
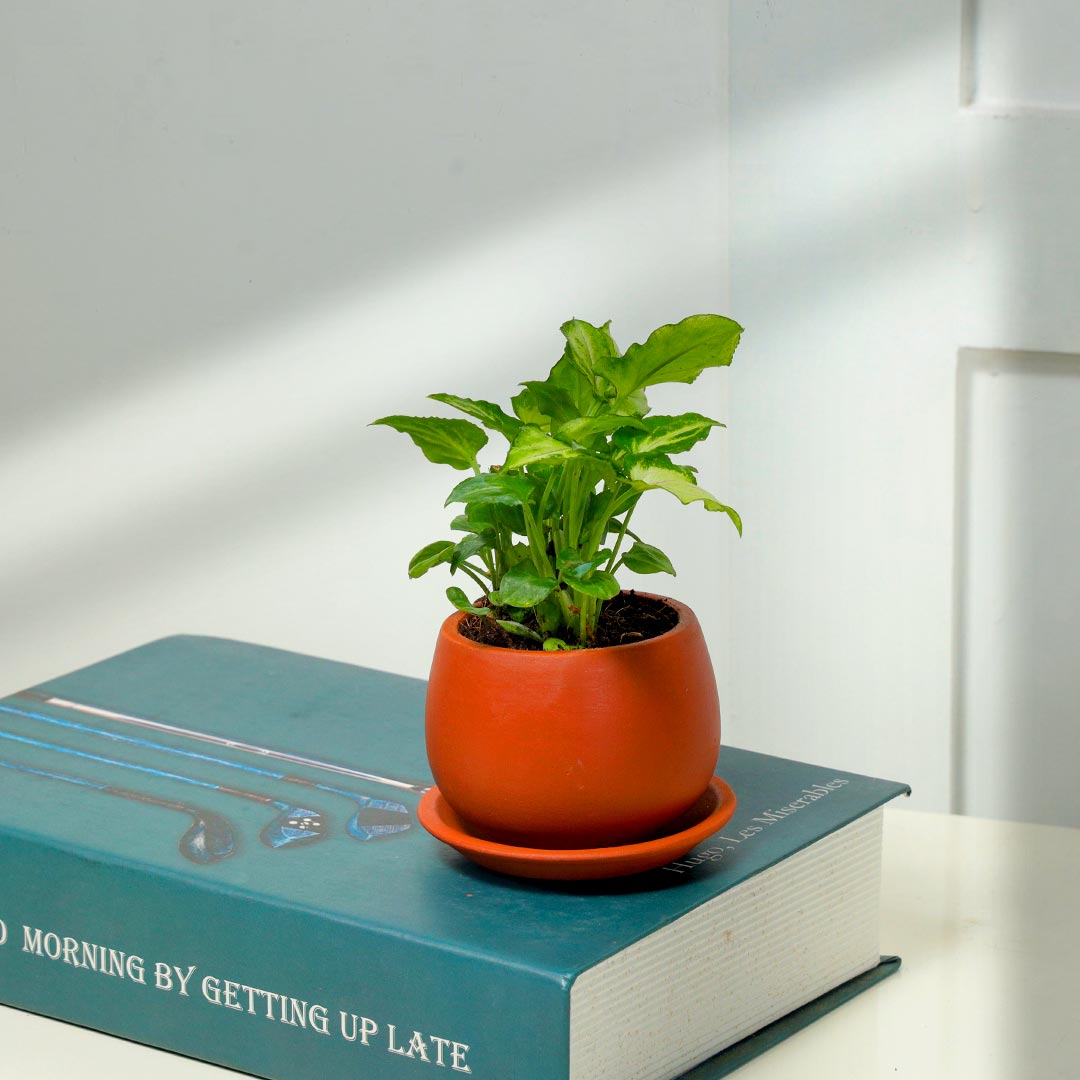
670	478
583	428
511	518
532	444
512	627
596	466
461	602
589	347
645	559
632	461
470	546
585	575
527	408
677	352
635	404
488	413
445	442
569	560
666	434
554	403
518	553
481	516
581	391
429	556
556	644
599	583
498	487
521	587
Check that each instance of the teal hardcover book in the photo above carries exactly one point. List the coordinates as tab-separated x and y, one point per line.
211	847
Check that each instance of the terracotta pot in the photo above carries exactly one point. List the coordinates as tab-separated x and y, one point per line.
587	748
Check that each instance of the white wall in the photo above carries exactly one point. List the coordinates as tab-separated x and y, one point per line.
845	238
1018	440
232	235
905	251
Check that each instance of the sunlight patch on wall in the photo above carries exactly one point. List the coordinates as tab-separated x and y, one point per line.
241	487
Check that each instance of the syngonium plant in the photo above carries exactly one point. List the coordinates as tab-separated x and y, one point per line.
545	531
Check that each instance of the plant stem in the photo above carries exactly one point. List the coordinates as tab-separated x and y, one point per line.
574	511
501	545
547	492
621	537
537	546
470	571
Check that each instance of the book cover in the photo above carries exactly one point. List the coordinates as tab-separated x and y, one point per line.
231	898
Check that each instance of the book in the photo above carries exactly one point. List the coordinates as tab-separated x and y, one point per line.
210	847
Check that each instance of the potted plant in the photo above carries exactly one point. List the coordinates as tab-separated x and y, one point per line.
562	711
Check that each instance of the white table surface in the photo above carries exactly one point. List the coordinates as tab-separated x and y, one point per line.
984	913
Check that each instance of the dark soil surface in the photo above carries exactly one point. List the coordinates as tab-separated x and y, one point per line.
625	618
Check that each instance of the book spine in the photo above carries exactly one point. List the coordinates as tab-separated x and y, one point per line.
270	990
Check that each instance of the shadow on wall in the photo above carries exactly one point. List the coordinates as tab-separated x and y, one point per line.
176	175
230	236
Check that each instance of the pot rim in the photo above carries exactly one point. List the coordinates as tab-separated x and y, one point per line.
449	632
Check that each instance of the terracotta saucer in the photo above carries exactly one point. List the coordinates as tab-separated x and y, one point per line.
710	814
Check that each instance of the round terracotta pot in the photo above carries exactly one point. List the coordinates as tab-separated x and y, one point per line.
585	748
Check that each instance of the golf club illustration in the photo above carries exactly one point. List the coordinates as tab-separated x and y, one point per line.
219	740
374	818
209	839
293	825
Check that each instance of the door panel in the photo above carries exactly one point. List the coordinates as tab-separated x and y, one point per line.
903	182
1018	589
